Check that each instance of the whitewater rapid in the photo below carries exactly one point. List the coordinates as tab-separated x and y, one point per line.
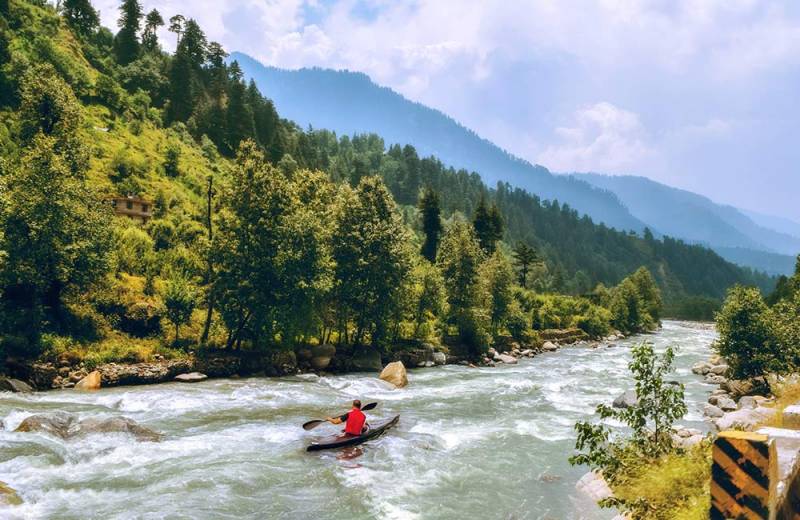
471	443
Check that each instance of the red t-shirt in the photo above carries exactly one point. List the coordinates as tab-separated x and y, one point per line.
355	420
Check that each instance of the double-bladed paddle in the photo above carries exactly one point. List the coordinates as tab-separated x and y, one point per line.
310	425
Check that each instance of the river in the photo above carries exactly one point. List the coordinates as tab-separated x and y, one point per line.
471	443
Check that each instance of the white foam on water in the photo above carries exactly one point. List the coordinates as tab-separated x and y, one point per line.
464	433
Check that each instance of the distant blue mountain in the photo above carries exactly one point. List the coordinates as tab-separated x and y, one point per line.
350	103
694	218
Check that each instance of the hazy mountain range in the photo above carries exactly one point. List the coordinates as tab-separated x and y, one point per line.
695	218
350	102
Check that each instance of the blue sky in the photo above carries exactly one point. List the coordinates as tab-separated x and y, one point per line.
699	94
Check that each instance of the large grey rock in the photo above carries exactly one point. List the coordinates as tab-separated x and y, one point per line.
67	426
701	368
748	402
723	402
367	359
439	358
191	377
740	387
508	360
395	373
744	419
549	346
321	356
627	399
14	385
709	410
719	370
714	379
791	417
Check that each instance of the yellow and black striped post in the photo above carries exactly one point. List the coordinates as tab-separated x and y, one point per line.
740	476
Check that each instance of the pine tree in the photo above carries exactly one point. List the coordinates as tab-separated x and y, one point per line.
126	43
239	116
152	22
525	257
81	16
431	223
488	224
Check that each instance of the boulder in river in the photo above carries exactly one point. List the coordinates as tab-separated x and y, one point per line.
627	399
367	359
90	382
191	377
58	424
701	368
8	497
549	346
14	385
321	356
117	425
439	358
508	360
395	373
67	426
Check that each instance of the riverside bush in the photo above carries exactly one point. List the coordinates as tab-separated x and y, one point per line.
659	404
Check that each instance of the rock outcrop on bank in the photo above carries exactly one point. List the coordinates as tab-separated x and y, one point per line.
737	404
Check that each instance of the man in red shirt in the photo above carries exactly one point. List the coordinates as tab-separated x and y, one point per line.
355	420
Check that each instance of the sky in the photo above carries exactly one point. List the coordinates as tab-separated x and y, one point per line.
698	94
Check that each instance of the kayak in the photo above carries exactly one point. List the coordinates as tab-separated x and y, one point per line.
376	429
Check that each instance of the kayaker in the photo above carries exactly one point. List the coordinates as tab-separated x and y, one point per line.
355	420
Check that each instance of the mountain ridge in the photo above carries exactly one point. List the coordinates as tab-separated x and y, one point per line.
320	98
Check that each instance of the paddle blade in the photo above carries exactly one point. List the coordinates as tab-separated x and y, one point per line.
369	406
310	425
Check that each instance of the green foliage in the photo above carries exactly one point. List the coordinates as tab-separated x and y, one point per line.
372	256
459	258
525	257
635	303
152	22
134	247
172	160
660	403
431	211
81	16
754	338
180	301
498	275
488	225
429	297
672	487
126	42
55	238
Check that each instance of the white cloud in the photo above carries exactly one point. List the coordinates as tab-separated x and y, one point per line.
602	137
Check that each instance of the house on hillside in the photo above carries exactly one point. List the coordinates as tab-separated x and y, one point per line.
133	207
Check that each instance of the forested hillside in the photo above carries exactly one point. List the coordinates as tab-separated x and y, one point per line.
350	103
264	235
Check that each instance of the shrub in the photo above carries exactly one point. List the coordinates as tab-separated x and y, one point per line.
747	335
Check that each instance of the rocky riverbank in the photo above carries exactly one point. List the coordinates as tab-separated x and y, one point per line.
66	372
736	404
